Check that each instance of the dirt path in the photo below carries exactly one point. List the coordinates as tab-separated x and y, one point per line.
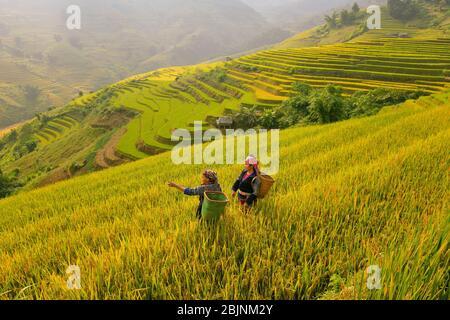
107	157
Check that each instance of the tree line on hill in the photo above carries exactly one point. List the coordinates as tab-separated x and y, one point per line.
309	106
404	10
410	9
344	17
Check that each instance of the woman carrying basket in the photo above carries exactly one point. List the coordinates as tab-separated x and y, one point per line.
210	182
248	183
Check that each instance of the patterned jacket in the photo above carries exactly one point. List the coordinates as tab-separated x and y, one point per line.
250	186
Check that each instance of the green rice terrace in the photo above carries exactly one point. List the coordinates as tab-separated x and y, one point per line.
135	118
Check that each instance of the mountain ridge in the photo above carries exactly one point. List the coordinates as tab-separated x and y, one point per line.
116	40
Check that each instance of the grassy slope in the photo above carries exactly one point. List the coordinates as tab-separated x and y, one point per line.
348	195
311	37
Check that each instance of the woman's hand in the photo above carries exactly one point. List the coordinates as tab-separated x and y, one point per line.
234	194
176	186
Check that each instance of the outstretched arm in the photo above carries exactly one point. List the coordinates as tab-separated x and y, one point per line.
176	186
188	191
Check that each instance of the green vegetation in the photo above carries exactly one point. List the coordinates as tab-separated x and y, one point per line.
340	204
319	106
7	185
345	17
403	9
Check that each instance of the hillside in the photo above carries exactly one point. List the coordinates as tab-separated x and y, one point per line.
135	118
117	39
369	191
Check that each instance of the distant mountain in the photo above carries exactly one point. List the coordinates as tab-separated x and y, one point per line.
299	15
118	38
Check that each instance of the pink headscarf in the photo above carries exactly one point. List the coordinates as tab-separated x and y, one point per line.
251	160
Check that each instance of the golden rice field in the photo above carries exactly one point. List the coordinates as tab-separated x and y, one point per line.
370	191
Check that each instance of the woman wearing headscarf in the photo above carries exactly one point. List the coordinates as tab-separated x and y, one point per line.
248	183
210	182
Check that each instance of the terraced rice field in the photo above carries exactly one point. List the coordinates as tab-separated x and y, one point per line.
358	66
378	58
390	63
56	128
165	104
339	205
175	97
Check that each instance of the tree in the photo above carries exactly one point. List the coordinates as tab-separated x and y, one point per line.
245	119
403	9
346	18
369	103
302	88
327	106
11	137
331	20
299	105
356	9
43	118
274	119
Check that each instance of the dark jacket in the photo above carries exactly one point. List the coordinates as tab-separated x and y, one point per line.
200	191
249	185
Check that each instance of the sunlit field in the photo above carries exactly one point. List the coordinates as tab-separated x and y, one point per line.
369	191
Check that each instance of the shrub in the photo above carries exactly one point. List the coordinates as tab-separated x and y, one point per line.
366	104
11	137
403	9
327	106
7	185
320	106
